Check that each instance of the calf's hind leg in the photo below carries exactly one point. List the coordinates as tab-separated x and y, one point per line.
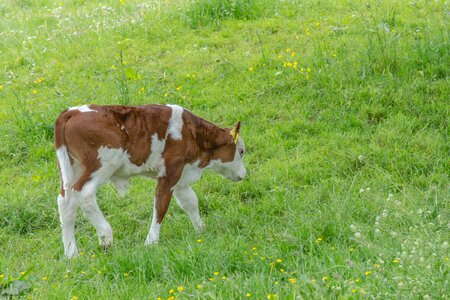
67	206
88	187
93	213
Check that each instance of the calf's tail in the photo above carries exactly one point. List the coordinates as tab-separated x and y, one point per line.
62	154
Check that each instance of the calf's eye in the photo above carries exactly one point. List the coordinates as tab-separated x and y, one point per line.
241	152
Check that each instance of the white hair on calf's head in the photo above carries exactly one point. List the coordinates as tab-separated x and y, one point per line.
234	169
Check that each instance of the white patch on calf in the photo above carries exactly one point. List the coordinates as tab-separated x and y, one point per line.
116	164
82	108
175	122
191	173
155	162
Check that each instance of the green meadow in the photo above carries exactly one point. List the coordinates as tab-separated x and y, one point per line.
345	115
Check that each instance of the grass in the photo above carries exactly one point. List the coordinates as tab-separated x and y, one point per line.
344	109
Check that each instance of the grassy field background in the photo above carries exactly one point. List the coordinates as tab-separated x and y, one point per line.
344	108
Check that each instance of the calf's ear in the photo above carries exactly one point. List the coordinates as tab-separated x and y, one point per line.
235	132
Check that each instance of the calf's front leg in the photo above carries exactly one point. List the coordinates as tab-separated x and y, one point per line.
187	200
160	206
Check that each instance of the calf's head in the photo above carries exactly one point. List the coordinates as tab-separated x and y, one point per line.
226	159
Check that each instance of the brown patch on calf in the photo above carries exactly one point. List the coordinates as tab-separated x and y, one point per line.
211	142
224	153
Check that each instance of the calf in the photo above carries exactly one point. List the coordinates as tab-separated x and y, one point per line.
96	144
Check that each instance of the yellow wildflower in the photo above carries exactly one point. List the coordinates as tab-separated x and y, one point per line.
66	275
125	274
395	261
171	291
180	288
215	273
74	298
248	295
292	54
376	265
34	92
1	88
199	286
93	255
367	273
171	298
250	69
292	280
22	273
211	279
357	280
276	282
254	248
199	241
224	277
282	270
178	87
324	278
354	291
279	260
44	278
38	80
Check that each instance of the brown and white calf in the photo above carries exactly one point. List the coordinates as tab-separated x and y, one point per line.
96	144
